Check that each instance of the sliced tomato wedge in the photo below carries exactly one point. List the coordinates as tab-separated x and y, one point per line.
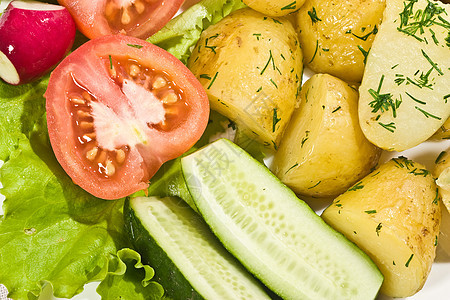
117	109
138	18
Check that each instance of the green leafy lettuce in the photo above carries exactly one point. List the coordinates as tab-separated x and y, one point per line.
53	232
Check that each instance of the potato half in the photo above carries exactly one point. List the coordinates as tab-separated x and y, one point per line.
251	67
442	173
393	214
323	151
274	8
404	94
337	35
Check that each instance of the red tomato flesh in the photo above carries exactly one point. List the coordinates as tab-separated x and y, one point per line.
138	18
117	109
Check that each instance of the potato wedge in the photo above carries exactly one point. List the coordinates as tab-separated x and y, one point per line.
251	67
393	214
274	8
403	102
337	35
323	151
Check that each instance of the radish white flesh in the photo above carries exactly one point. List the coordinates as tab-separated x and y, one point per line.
34	37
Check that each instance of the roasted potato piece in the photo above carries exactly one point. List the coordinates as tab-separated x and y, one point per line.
274	8
337	35
251	67
394	215
323	151
405	90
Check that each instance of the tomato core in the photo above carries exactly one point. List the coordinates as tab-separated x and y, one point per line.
117	109
102	159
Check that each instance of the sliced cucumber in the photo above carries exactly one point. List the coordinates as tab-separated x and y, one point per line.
273	233
189	261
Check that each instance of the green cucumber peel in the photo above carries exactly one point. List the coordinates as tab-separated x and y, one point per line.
187	257
275	235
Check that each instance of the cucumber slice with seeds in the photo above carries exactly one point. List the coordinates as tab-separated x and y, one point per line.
189	261
273	233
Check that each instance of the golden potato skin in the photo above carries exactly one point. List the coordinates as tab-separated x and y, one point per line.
251	67
274	8
323	151
393	215
336	35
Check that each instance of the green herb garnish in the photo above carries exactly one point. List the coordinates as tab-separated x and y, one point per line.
313	15
135	46
292	5
275	119
356	187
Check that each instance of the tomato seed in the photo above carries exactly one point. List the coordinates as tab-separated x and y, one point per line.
172	110
134	70
91	154
110	169
86	125
159	82
126	19
83	114
170	98
112	71
102	157
120	156
110	10
77	101
140	7
90	136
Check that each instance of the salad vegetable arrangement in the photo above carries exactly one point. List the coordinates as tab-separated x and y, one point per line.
67	138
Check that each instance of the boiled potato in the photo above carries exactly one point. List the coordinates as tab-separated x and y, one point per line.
251	67
394	215
443	133
337	35
275	8
405	90
442	173
324	151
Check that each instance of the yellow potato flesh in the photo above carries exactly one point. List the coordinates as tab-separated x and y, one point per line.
323	151
251	68
394	215
405	89
336	35
274	8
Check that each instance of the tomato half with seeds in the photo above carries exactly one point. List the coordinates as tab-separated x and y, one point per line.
138	18
117	109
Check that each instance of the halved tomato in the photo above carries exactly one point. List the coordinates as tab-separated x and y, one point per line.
138	18
117	109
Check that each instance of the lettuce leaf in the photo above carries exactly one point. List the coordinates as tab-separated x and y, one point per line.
52	231
20	109
182	33
128	278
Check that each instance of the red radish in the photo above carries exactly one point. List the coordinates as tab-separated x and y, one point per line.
34	37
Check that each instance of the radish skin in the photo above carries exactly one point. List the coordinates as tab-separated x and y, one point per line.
34	37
